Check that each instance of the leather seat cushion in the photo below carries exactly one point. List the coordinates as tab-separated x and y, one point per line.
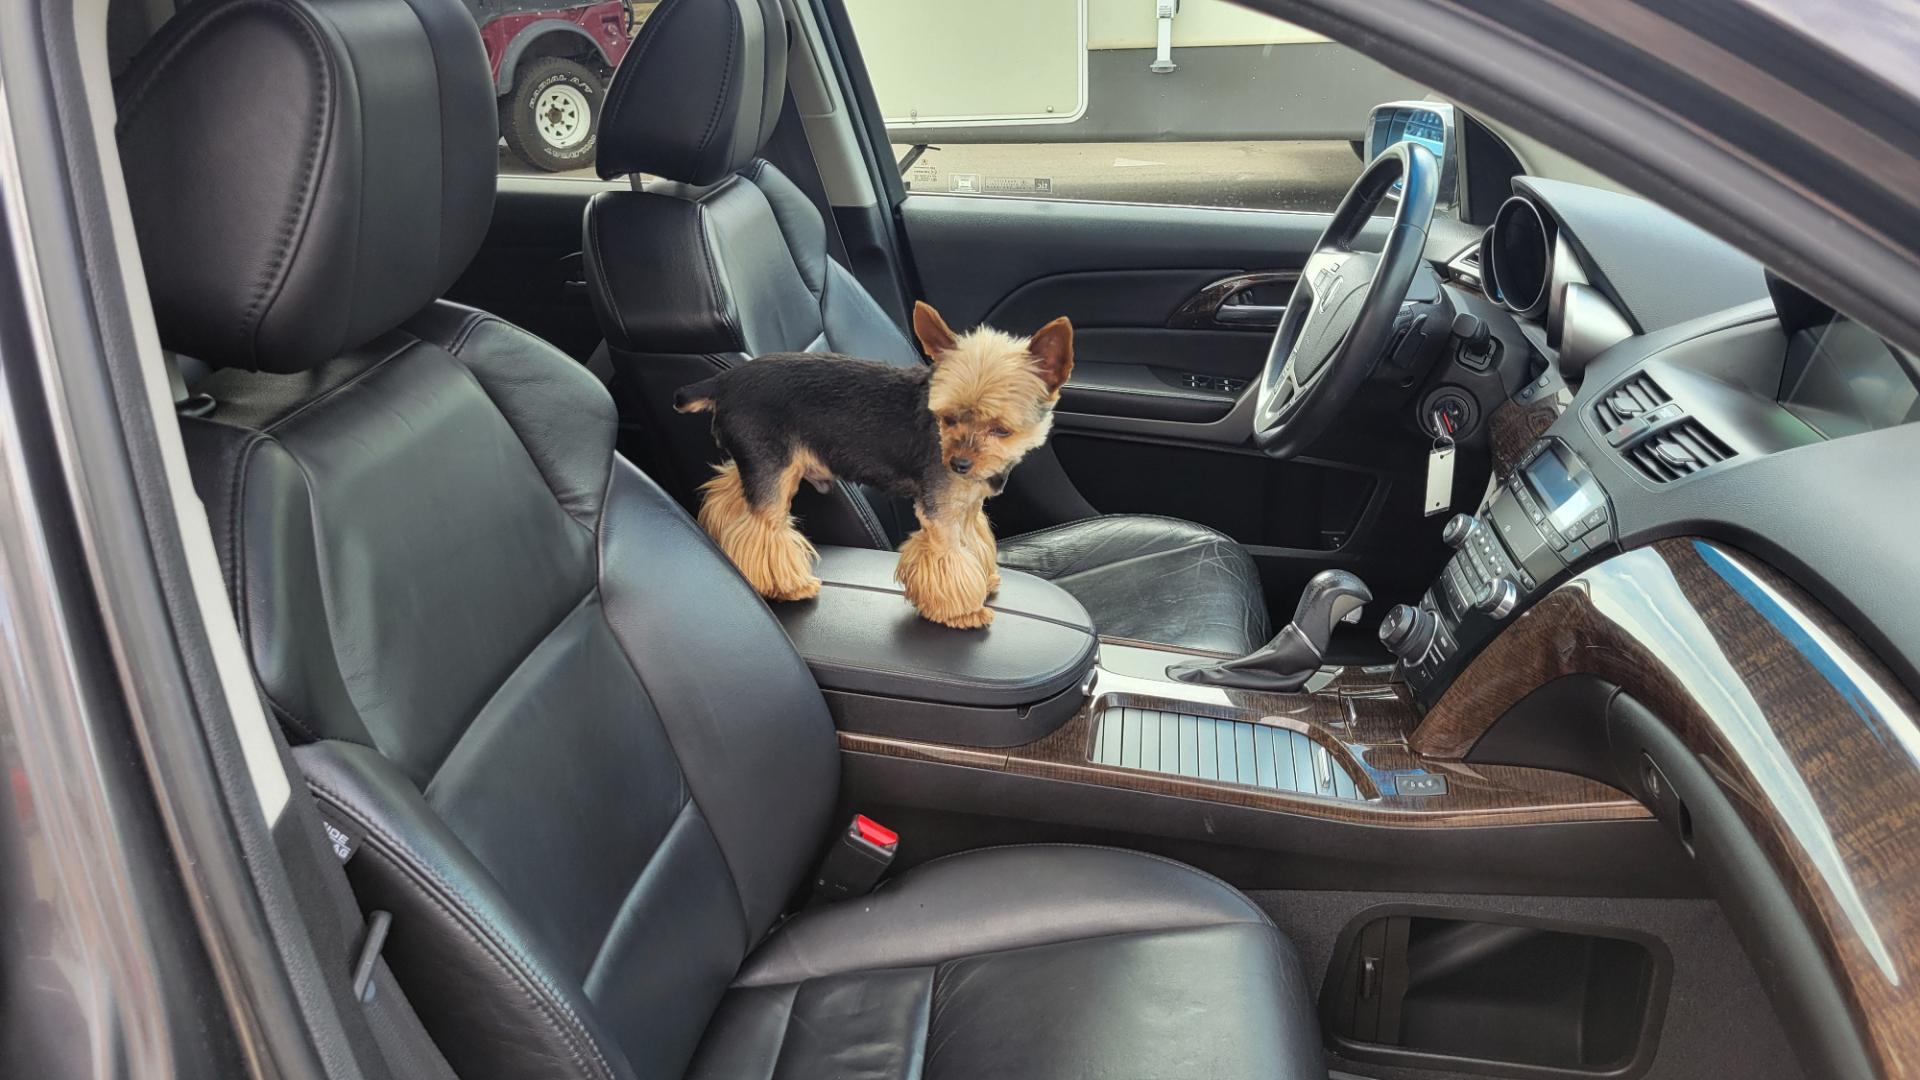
1033	961
1153	579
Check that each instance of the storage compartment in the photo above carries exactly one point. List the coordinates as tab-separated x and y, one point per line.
1496	994
886	671
1263	755
1308	506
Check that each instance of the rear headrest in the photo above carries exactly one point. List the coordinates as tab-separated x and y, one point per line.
699	93
305	174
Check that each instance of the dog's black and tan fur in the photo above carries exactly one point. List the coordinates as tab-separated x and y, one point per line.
944	436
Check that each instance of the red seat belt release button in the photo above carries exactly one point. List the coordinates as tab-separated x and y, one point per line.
861	854
875	833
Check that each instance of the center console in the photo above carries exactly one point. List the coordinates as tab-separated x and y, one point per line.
886	671
1547	515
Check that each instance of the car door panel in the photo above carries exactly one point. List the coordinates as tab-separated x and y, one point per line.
1167	302
972	252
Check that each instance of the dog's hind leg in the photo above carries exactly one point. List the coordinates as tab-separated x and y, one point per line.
942	567
746	511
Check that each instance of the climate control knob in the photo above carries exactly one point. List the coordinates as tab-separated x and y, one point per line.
1408	631
1498	599
1457	529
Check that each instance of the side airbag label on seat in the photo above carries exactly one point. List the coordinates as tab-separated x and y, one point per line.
337	838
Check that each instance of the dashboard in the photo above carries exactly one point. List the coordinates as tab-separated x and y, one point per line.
1654	382
1701	509
1690	575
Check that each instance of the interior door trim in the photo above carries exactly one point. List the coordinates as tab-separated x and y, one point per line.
1209	309
1233	429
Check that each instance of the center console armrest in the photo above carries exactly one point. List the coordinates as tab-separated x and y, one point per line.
887	671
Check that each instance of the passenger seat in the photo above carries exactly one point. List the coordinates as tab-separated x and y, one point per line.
570	751
722	258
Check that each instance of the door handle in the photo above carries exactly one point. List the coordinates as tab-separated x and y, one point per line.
1214	307
1260	316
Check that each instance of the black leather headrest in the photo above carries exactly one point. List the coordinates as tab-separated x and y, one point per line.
698	94
305	174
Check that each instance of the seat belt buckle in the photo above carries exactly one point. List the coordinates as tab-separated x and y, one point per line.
863	851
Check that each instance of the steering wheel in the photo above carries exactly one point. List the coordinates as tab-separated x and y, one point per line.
1340	316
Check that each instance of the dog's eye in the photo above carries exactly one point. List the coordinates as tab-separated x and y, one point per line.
946	421
999	433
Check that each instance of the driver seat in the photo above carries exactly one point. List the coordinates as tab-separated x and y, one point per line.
725	259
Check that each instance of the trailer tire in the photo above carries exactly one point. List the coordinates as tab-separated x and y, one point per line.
551	118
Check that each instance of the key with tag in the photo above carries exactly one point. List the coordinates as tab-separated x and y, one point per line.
1440	469
1440	479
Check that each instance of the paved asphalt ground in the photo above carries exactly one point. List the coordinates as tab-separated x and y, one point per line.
1249	175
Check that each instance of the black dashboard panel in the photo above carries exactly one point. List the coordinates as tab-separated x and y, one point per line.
1840	517
1658	269
1681	426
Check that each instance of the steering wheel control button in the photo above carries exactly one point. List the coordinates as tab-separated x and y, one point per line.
1419	785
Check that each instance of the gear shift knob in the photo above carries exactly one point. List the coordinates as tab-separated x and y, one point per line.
1286	662
1330	598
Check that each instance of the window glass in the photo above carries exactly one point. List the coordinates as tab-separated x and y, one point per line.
1107	100
552	61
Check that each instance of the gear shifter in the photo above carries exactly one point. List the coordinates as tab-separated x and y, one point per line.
1285	663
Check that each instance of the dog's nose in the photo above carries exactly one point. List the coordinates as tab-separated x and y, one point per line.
961	465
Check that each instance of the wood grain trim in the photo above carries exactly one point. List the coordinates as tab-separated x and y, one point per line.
1814	740
1514	427
1361	719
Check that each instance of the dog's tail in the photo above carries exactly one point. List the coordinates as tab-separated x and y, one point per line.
696	397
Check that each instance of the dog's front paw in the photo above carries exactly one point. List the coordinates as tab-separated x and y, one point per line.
946	585
803	589
966	620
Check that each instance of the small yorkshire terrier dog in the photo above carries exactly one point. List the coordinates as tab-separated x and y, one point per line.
943	436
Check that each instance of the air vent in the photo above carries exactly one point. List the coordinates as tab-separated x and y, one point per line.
1465	267
1636	397
1654	433
1681	450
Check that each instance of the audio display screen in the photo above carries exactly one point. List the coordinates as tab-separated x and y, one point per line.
1566	490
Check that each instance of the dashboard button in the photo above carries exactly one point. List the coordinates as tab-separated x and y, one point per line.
1574	550
1627	431
1419	784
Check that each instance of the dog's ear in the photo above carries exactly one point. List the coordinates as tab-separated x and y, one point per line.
1052	349
931	329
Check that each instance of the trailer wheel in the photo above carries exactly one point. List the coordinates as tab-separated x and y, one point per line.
551	119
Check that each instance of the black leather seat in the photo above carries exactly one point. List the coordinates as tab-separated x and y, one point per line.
727	259
573	755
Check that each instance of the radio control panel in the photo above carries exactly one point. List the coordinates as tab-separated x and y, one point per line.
1543	519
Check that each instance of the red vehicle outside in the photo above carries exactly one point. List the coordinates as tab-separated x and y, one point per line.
551	62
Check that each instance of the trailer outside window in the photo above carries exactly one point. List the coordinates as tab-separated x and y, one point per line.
1080	99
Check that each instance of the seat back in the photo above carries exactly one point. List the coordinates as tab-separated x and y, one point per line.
568	748
723	259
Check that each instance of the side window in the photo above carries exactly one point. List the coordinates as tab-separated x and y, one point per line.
1190	102
552	61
